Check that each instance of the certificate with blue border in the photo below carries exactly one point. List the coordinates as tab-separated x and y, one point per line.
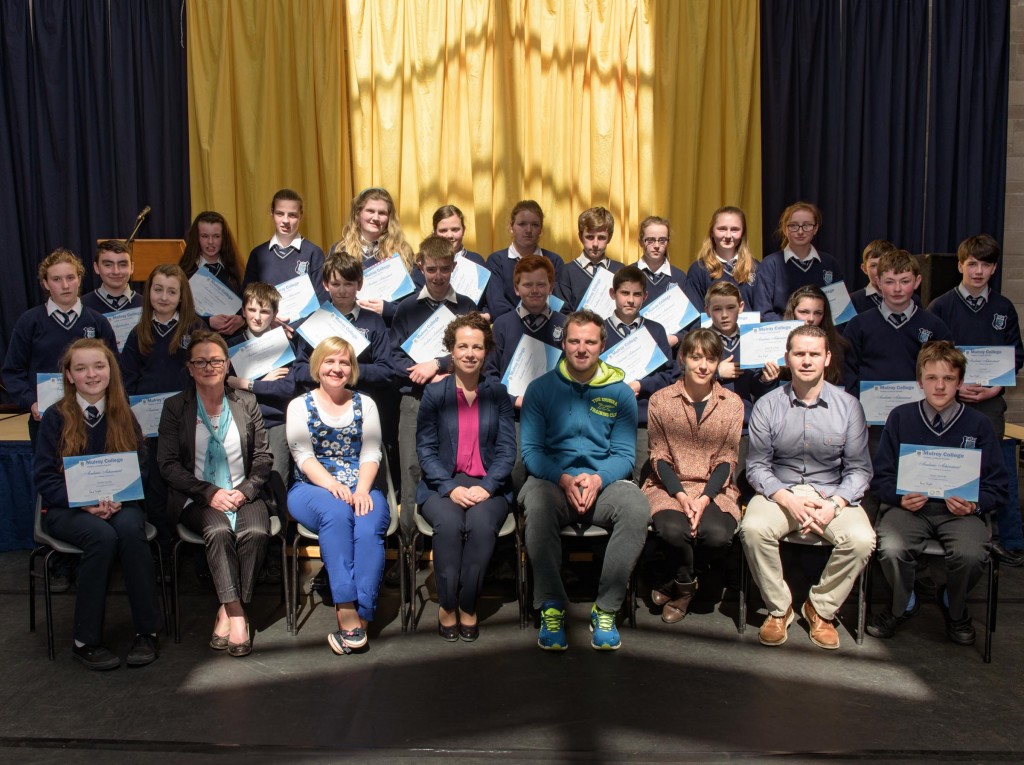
427	342
637	355
939	472
672	310
531	359
598	297
49	390
254	358
746	317
328	321
839	302
123	322
761	343
211	296
147	409
470	279
387	280
879	397
298	298
990	365
91	478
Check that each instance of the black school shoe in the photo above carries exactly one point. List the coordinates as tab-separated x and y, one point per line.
960	631
884	624
145	650
95	657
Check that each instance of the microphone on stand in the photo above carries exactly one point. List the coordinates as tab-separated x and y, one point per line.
138	223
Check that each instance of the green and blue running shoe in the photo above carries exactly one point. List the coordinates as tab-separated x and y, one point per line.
552	627
606	634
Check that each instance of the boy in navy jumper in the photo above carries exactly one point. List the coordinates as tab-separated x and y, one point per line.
797	263
870	297
526	225
655	234
909	521
436	259
595	228
629	290
884	343
287	254
114	266
978	315
41	334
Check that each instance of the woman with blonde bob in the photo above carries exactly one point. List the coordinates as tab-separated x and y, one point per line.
94	418
724	254
335	440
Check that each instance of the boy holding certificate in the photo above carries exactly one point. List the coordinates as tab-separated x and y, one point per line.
978	315
595	228
909	520
423	359
114	266
287	254
629	290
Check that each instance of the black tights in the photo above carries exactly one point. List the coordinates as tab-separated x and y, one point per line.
714	536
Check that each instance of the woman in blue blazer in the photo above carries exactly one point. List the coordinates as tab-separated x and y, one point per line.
466	443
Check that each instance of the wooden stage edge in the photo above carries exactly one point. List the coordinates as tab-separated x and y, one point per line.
14	427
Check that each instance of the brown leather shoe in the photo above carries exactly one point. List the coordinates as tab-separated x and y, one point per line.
676	609
663	594
775	629
822	633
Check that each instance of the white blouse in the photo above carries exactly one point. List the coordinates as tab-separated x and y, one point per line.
300	443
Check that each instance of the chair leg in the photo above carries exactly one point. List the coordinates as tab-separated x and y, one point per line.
520	579
412	563
163	588
990	606
48	601
631	599
293	598
32	576
861	606
175	572
741	612
285	584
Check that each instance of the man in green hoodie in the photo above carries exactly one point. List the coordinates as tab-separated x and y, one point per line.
578	439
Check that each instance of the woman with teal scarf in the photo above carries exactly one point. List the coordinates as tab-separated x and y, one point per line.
215	457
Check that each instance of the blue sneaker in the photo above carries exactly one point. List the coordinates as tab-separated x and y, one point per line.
552	627
606	634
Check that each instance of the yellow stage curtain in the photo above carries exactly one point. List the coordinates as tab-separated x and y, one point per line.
642	107
267	110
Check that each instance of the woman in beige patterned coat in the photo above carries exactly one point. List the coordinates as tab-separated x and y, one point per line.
694	431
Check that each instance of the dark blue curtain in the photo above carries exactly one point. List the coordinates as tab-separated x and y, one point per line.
93	126
855	120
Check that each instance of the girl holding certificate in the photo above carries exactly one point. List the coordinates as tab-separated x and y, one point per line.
694	428
810	305
334	436
216	460
210	244
94	418
466	444
374	232
725	254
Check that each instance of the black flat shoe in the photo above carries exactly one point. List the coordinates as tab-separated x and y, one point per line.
469	632
145	650
451	634
95	657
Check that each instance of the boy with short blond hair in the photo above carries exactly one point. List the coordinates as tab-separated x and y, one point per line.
594	228
114	266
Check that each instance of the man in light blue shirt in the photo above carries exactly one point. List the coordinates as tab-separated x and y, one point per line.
809	463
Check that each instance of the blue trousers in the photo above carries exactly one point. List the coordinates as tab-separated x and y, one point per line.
352	546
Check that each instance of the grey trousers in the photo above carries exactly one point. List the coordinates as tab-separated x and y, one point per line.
621	508
902	536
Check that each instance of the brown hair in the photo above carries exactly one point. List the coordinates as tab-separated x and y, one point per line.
328	347
746	267
721	288
876	248
941	350
435	247
807	330
60	255
447	211
898	262
981	247
781	232
186	310
192	257
392	241
526	205
472	320
123	432
704	340
285	195
343	264
201	336
585	316
262	294
595	219
114	245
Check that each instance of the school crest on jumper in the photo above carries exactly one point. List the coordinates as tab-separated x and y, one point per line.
556	333
924	335
186	341
970	442
302	267
89	332
365	331
999	321
826	276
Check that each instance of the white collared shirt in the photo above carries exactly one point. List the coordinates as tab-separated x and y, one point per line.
665	268
908	312
296	242
788	255
449	296
105	295
965	293
101	405
585	263
514	254
51	307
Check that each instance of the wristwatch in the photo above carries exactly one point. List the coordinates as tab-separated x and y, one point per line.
249	386
837	506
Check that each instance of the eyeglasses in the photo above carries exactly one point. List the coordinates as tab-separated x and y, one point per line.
655	240
212	363
794	227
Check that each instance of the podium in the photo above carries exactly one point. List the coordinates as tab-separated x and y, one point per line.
150	253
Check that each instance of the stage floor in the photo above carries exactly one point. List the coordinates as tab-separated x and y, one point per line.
693	692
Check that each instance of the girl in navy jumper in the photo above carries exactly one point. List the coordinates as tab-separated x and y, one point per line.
210	244
93	418
155	360
795	264
725	254
373	231
526	224
655	234
286	255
